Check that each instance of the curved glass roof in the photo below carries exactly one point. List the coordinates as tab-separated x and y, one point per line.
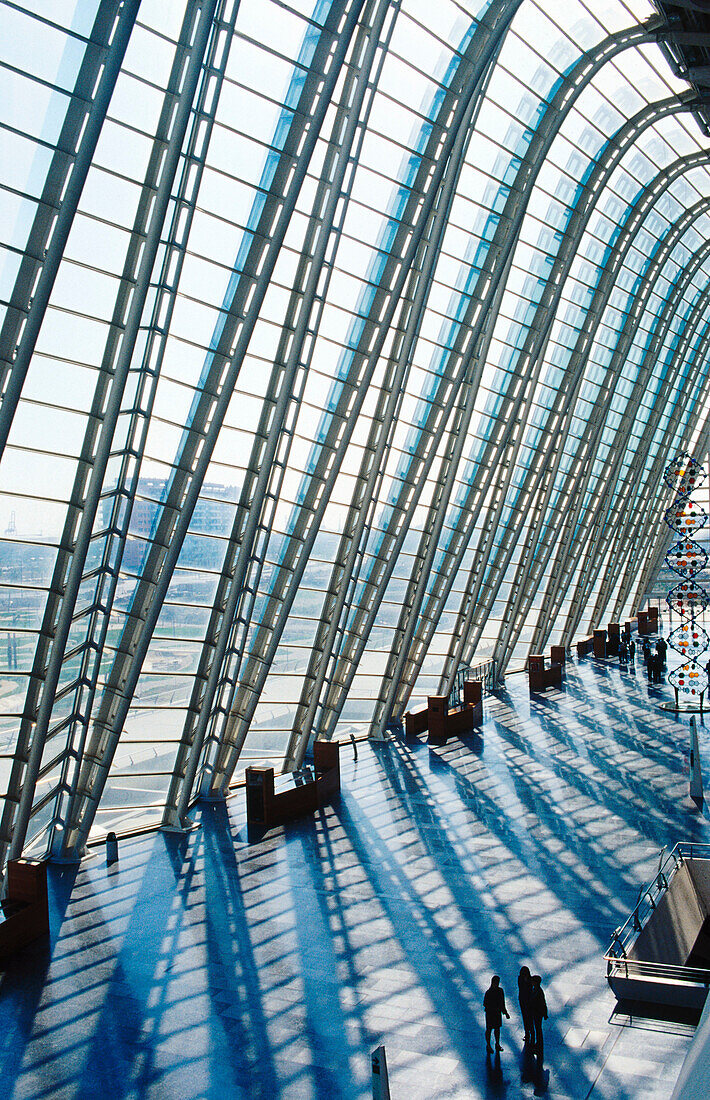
343	346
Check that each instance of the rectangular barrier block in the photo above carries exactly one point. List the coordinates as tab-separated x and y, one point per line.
416	721
437	710
25	909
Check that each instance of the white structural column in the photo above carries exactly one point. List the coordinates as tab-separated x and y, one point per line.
462	637
60	197
474	333
632	504
338	647
231	612
600	533
208	414
654	528
534	500
683	390
63	190
99	437
419	617
592	320
117	498
568	527
571	494
411	232
683	395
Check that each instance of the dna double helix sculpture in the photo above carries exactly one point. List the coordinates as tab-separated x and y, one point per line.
686	557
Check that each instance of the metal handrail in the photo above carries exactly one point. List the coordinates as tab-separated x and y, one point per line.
648	898
485	671
631	968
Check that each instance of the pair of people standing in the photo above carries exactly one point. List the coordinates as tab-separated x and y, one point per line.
533	1008
654	662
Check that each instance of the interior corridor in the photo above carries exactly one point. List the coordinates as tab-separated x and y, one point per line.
225	965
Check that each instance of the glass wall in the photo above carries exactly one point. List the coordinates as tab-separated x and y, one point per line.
344	344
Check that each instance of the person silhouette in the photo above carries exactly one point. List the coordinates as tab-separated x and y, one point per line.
662	649
494	1007
539	1010
646	652
524	998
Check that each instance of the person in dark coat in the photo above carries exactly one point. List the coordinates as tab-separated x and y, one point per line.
494	1007
538	1006
524	997
632	650
661	649
646	651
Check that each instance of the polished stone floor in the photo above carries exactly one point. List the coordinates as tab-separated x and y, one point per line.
231	966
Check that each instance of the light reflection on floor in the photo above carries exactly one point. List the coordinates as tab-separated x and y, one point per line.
223	965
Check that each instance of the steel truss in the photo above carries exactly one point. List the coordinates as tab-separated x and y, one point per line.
543	519
566	513
417	626
473	611
623	498
425	192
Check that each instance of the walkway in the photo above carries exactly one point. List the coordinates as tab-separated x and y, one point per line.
221	966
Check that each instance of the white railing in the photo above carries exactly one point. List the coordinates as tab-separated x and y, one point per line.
616	957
